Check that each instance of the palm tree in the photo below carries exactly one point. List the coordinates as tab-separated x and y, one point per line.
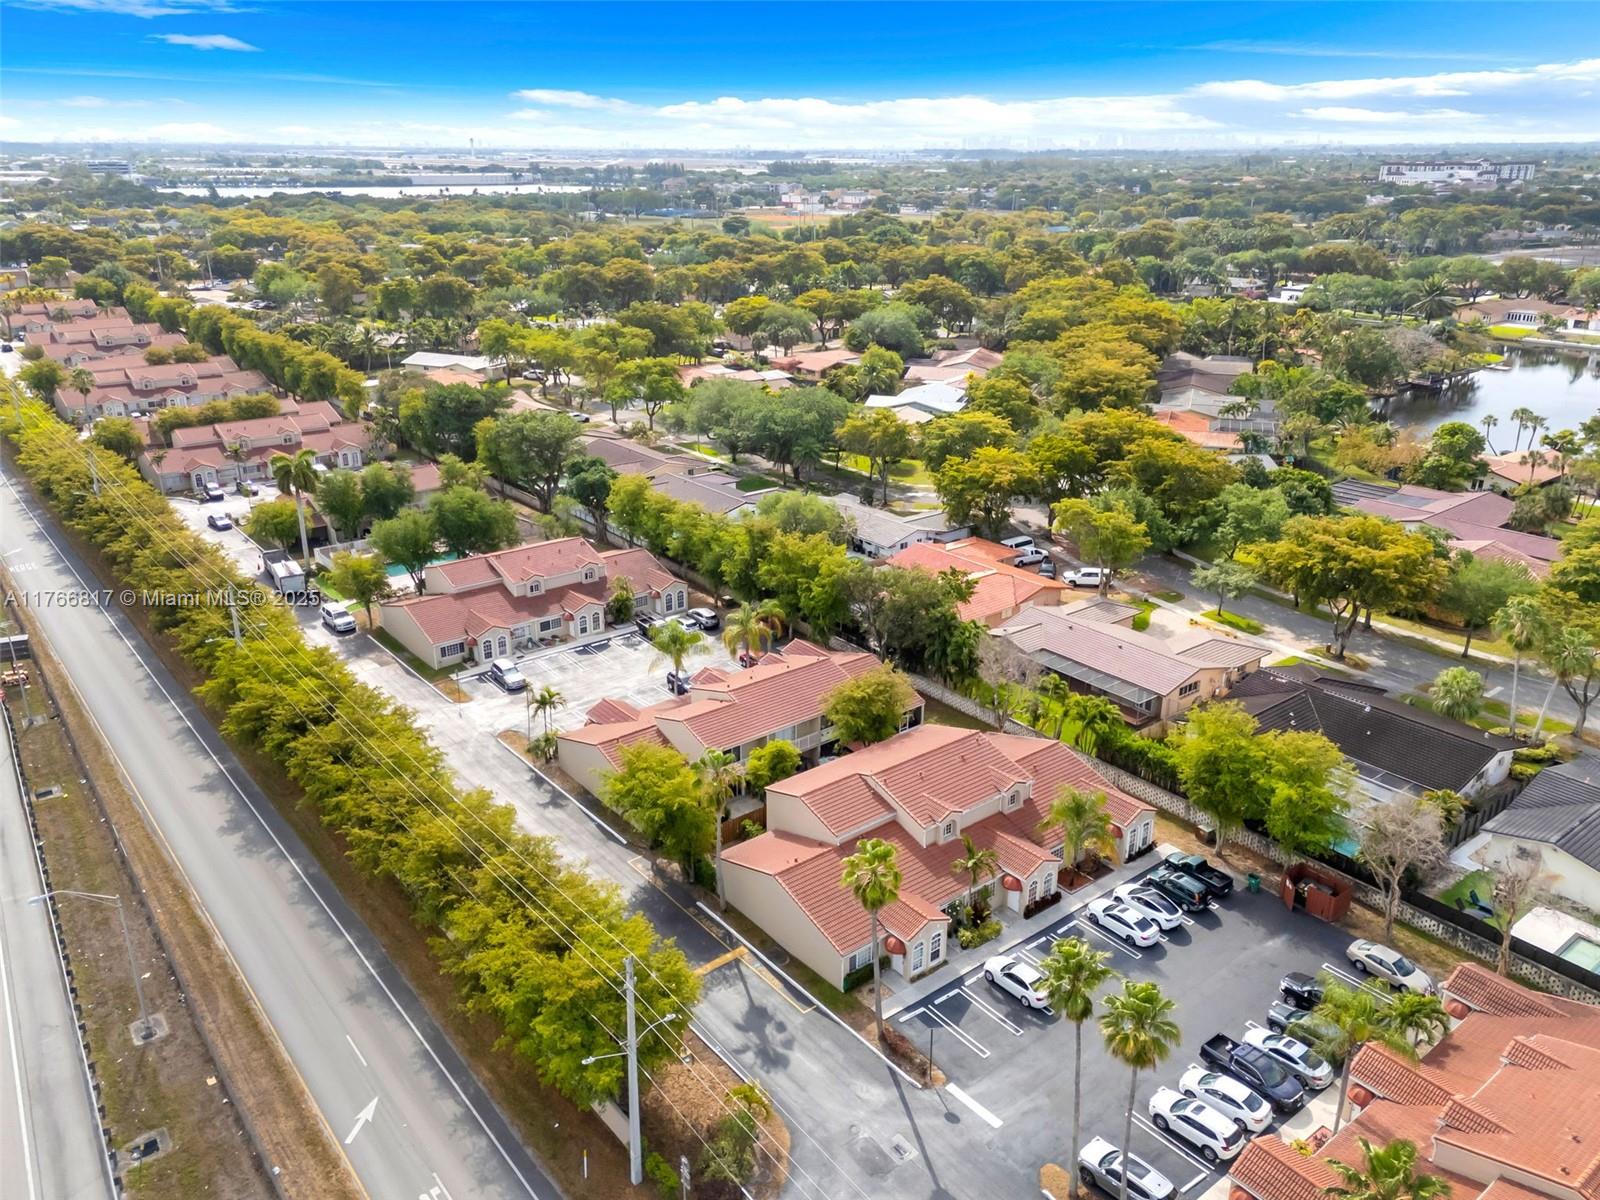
1532	459
1523	418
1535	424
975	864
753	629
296	476
1083	821
1355	1015
81	380
1417	1018
1072	974
1520	623
1054	689
873	877
720	775
1091	720
1390	1175
1569	653
1489	422
367	341
1140	1033
673	642
545	702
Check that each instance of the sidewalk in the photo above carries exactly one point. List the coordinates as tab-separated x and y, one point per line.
1015	932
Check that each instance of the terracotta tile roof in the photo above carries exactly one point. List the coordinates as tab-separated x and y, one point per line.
1196	427
612	710
1384	1073
1000	588
425	477
779	692
521	563
640	568
1271	1170
1053	765
610	739
1485	991
449	616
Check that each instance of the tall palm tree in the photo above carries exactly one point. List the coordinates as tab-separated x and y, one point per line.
975	864
873	877
1532	459
1489	422
1140	1034
753	628
1073	973
1390	1174
1523	418
1417	1018
81	380
295	476
1569	653
1090	719
673	642
1520	623
1354	1016
1535	424
545	702
720	775
1084	823
368	341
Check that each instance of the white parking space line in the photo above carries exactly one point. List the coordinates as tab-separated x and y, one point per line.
1040	941
1172	1141
1200	1178
993	1121
1026	957
1016	1030
1251	1025
1108	939
1358	981
966	1039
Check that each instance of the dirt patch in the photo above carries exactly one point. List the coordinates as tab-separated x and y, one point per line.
1055	1182
172	1083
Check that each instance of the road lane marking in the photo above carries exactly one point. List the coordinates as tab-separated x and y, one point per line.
1093	931
1197	1179
1016	1030
720	960
1026	957
962	1036
363	1119
1172	1140
994	1121
356	1048
23	1129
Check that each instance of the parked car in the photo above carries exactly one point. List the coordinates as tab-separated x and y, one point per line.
678	682
504	672
1257	1070
1240	1104
1116	918
644	622
337	618
212	492
1302	1026
1048	568
219	521
7	348
1150	903
746	659
1031	557
1017	979
1101	1165
1215	1136
1187	892
705	618
1385	963
1304	1063
1300	990
1084	577
1219	883
246	488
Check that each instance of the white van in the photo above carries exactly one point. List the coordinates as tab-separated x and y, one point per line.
1019	544
337	618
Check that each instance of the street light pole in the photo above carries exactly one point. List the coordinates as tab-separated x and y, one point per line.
127	944
635	1146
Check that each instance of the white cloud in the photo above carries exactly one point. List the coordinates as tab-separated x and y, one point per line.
85	102
1308	50
1445	83
191	131
558	98
1372	116
9	122
133	8
205	41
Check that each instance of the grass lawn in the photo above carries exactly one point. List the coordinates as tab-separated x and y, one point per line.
907	470
1141	620
1496	714
1478	881
1167	594
1511	333
1234	621
1485	641
756	483
938	713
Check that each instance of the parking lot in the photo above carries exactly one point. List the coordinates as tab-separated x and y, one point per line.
1013	1065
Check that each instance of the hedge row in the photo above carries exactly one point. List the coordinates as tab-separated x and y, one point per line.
530	940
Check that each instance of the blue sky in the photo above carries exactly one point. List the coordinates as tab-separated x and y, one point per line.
800	76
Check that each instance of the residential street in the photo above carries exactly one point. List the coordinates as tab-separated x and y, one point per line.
50	1138
412	1117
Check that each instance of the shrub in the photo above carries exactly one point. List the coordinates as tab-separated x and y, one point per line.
862	975
977	935
664	1175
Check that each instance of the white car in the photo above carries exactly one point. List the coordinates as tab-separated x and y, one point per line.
1017	979
1119	920
1196	1122
1031	556
1237	1101
1148	902
1100	1166
337	618
1299	1059
1084	577
1389	965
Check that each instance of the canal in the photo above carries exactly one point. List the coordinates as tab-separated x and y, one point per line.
1562	388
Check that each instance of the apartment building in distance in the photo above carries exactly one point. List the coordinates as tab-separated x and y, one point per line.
125	385
1477	173
225	453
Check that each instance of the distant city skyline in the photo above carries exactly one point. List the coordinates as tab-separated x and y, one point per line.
719	77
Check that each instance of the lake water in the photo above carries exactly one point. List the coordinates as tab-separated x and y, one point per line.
1562	388
390	193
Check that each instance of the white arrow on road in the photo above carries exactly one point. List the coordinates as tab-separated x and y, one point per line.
362	1118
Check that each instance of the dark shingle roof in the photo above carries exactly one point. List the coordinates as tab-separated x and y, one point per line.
1374	730
1562	807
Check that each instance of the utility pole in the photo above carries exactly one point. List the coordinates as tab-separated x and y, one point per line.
143	1029
94	473
635	1147
233	611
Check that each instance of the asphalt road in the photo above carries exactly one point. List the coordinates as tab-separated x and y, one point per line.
390	1087
50	1138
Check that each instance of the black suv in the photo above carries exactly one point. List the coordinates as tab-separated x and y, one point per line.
1185	891
1301	990
1217	883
